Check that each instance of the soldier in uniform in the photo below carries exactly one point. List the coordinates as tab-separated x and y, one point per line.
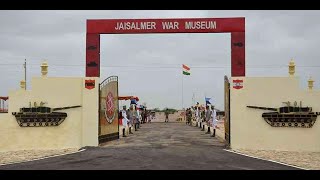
125	121
135	118
197	116
192	114
207	118
202	119
214	120
130	117
138	118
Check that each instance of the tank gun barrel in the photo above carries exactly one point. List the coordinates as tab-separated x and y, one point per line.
67	107
263	108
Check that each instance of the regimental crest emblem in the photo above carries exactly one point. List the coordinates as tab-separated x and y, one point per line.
110	108
237	83
90	84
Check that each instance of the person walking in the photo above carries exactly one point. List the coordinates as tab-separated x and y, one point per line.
145	115
189	116
167	115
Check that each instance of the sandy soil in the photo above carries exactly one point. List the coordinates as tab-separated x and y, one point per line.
307	160
27	155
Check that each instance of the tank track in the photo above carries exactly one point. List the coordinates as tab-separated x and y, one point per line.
40	120
290	120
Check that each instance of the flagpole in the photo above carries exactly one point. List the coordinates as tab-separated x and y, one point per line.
182	91
184	114
25	73
205	95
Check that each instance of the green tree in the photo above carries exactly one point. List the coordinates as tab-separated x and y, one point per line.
156	110
170	110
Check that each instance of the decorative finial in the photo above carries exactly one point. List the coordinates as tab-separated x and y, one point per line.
44	68
310	83
22	84
291	68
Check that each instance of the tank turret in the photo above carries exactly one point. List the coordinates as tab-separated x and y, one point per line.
41	116
289	116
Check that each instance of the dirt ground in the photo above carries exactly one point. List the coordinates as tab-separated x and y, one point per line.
160	117
27	155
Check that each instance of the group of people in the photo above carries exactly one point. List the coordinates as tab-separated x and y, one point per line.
133	117
206	115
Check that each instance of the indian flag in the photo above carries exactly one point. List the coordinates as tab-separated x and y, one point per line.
186	69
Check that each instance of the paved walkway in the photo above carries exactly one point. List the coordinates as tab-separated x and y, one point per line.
156	146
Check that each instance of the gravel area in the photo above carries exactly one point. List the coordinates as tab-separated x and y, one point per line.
27	155
307	160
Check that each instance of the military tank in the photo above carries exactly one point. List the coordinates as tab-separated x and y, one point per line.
41	116
289	116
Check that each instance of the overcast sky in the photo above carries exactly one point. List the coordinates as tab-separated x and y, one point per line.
272	39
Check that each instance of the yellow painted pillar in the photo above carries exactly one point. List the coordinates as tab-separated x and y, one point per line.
310	83
292	68
44	69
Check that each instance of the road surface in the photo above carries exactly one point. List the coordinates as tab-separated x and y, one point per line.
156	146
